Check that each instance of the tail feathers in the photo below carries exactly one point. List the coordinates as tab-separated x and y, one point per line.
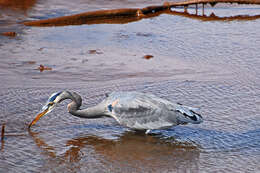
188	115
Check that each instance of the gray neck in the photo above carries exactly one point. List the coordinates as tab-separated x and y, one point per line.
73	107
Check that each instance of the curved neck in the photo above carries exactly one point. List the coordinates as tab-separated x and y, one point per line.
92	112
73	107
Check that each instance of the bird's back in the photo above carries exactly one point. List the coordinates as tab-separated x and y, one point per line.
143	111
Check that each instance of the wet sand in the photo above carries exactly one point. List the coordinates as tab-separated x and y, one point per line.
208	61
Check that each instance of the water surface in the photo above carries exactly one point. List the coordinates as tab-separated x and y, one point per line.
210	64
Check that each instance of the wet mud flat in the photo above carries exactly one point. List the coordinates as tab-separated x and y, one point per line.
210	61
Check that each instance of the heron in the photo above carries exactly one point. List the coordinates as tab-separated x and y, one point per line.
134	110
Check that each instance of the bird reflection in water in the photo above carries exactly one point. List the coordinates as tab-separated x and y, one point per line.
130	152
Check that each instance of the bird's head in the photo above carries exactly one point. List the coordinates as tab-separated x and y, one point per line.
53	100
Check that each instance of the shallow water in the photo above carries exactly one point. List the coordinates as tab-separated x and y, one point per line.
210	64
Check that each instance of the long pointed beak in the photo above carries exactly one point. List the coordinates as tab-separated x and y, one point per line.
38	117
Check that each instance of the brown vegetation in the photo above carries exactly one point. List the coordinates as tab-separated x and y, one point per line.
9	34
116	16
17	4
126	15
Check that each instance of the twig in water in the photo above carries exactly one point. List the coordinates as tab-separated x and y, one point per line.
3	132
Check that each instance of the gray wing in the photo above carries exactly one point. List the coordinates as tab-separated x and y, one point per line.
142	111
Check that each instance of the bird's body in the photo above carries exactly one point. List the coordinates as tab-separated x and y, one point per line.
143	111
135	110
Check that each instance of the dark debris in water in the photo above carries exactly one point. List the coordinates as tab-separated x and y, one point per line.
43	68
31	62
148	56
93	51
9	34
143	34
3	132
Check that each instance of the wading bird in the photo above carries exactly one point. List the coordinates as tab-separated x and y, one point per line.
135	110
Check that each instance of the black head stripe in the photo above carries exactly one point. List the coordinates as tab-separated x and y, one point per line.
54	97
